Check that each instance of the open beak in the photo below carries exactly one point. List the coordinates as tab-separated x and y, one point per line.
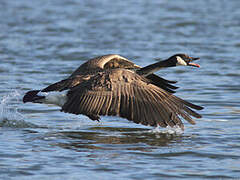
193	64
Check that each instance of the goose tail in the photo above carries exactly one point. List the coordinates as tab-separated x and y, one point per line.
32	96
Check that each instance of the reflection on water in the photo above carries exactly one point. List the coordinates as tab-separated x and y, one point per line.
128	138
42	42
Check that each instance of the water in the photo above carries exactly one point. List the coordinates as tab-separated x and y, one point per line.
42	42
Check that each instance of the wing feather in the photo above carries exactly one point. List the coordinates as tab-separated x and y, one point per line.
129	96
174	106
108	100
162	83
162	108
101	104
148	108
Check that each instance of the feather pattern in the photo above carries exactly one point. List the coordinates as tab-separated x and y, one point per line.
114	86
130	96
111	61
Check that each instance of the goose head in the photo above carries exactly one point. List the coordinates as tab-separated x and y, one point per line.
183	60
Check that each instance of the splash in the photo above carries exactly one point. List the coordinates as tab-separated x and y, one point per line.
9	115
176	130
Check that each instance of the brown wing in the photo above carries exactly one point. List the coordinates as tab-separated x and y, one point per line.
109	61
162	83
123	93
67	83
100	63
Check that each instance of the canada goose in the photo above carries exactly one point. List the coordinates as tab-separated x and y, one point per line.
114	86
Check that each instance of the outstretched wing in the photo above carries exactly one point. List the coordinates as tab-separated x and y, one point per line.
67	83
162	83
109	61
120	92
74	81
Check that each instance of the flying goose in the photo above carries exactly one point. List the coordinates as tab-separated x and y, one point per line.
113	85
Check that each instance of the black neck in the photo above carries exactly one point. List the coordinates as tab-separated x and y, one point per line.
155	67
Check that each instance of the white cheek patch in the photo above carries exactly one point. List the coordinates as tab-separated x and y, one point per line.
180	61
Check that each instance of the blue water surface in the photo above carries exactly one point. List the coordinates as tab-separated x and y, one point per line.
42	42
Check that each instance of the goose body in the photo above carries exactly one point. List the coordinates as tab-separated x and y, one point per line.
113	85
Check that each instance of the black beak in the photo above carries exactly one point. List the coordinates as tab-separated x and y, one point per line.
193	64
193	59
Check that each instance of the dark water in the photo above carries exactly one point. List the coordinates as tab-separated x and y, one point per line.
43	41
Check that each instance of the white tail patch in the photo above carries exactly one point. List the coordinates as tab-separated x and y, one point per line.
54	97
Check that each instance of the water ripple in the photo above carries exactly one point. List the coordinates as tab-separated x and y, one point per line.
42	42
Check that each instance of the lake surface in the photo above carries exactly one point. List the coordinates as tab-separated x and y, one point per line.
42	42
